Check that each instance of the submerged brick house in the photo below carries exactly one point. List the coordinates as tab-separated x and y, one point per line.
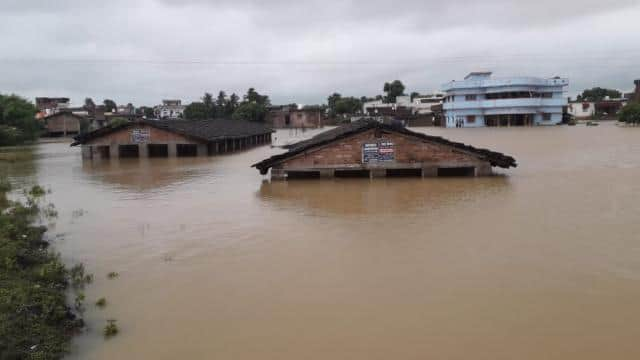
367	148
172	138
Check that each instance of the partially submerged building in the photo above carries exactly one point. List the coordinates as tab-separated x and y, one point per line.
63	124
483	100
368	148
172	138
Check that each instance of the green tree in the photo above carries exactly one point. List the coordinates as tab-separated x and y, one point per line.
250	111
89	105
145	111
254	107
209	105
414	95
598	94
109	105
348	105
17	120
331	103
630	114
221	105
196	111
232	105
393	90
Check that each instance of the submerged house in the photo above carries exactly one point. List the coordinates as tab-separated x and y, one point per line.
367	148
172	138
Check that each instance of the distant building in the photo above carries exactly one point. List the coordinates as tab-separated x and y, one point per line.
289	116
170	109
63	123
48	106
582	109
481	100
415	112
126	109
172	138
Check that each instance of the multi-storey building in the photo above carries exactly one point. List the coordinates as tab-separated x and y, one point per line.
482	100
170	109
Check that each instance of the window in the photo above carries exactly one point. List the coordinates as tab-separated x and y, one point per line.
547	95
471	119
546	117
470	97
585	106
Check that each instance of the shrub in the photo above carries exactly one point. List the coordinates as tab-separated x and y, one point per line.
630	114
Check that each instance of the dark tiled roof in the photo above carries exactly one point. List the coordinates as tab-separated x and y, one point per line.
495	158
61	113
205	130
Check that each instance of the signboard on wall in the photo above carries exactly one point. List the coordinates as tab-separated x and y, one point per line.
140	136
381	151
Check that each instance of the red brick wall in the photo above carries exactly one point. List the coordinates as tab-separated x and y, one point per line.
157	136
349	152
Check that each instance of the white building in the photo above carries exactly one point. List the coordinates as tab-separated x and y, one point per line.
170	109
582	110
482	100
420	105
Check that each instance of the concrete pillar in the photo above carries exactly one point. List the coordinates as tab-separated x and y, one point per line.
327	173
172	149
484	170
87	151
431	171
114	152
202	150
278	174
143	151
376	173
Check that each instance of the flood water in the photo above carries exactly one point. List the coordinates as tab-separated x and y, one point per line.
542	262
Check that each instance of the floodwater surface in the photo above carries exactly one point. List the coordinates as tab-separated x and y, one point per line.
215	261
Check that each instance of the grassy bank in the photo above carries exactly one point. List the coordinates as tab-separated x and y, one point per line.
36	321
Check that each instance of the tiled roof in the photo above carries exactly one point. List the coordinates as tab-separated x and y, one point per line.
206	130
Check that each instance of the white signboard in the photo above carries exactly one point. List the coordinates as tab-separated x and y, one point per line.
140	136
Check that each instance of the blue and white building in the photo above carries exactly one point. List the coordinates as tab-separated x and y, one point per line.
482	100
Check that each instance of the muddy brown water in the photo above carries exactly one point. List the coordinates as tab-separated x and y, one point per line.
542	262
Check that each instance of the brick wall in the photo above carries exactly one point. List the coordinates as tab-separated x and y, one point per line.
156	136
408	150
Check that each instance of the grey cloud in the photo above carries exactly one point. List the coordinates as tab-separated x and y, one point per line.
141	51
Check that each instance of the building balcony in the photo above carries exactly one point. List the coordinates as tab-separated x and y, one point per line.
504	103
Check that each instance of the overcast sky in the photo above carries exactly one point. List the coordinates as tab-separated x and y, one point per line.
141	51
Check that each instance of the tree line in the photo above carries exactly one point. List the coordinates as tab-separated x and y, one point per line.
252	107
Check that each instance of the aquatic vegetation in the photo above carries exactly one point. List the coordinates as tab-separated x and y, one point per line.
112	275
111	329
101	303
36	322
78	277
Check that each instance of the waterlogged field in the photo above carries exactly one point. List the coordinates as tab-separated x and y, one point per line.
213	261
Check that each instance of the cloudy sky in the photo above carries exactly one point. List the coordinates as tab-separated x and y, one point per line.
141	51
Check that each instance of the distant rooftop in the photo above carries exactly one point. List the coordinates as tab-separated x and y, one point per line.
478	74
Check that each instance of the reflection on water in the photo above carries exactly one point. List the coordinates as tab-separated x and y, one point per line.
217	262
148	174
379	196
